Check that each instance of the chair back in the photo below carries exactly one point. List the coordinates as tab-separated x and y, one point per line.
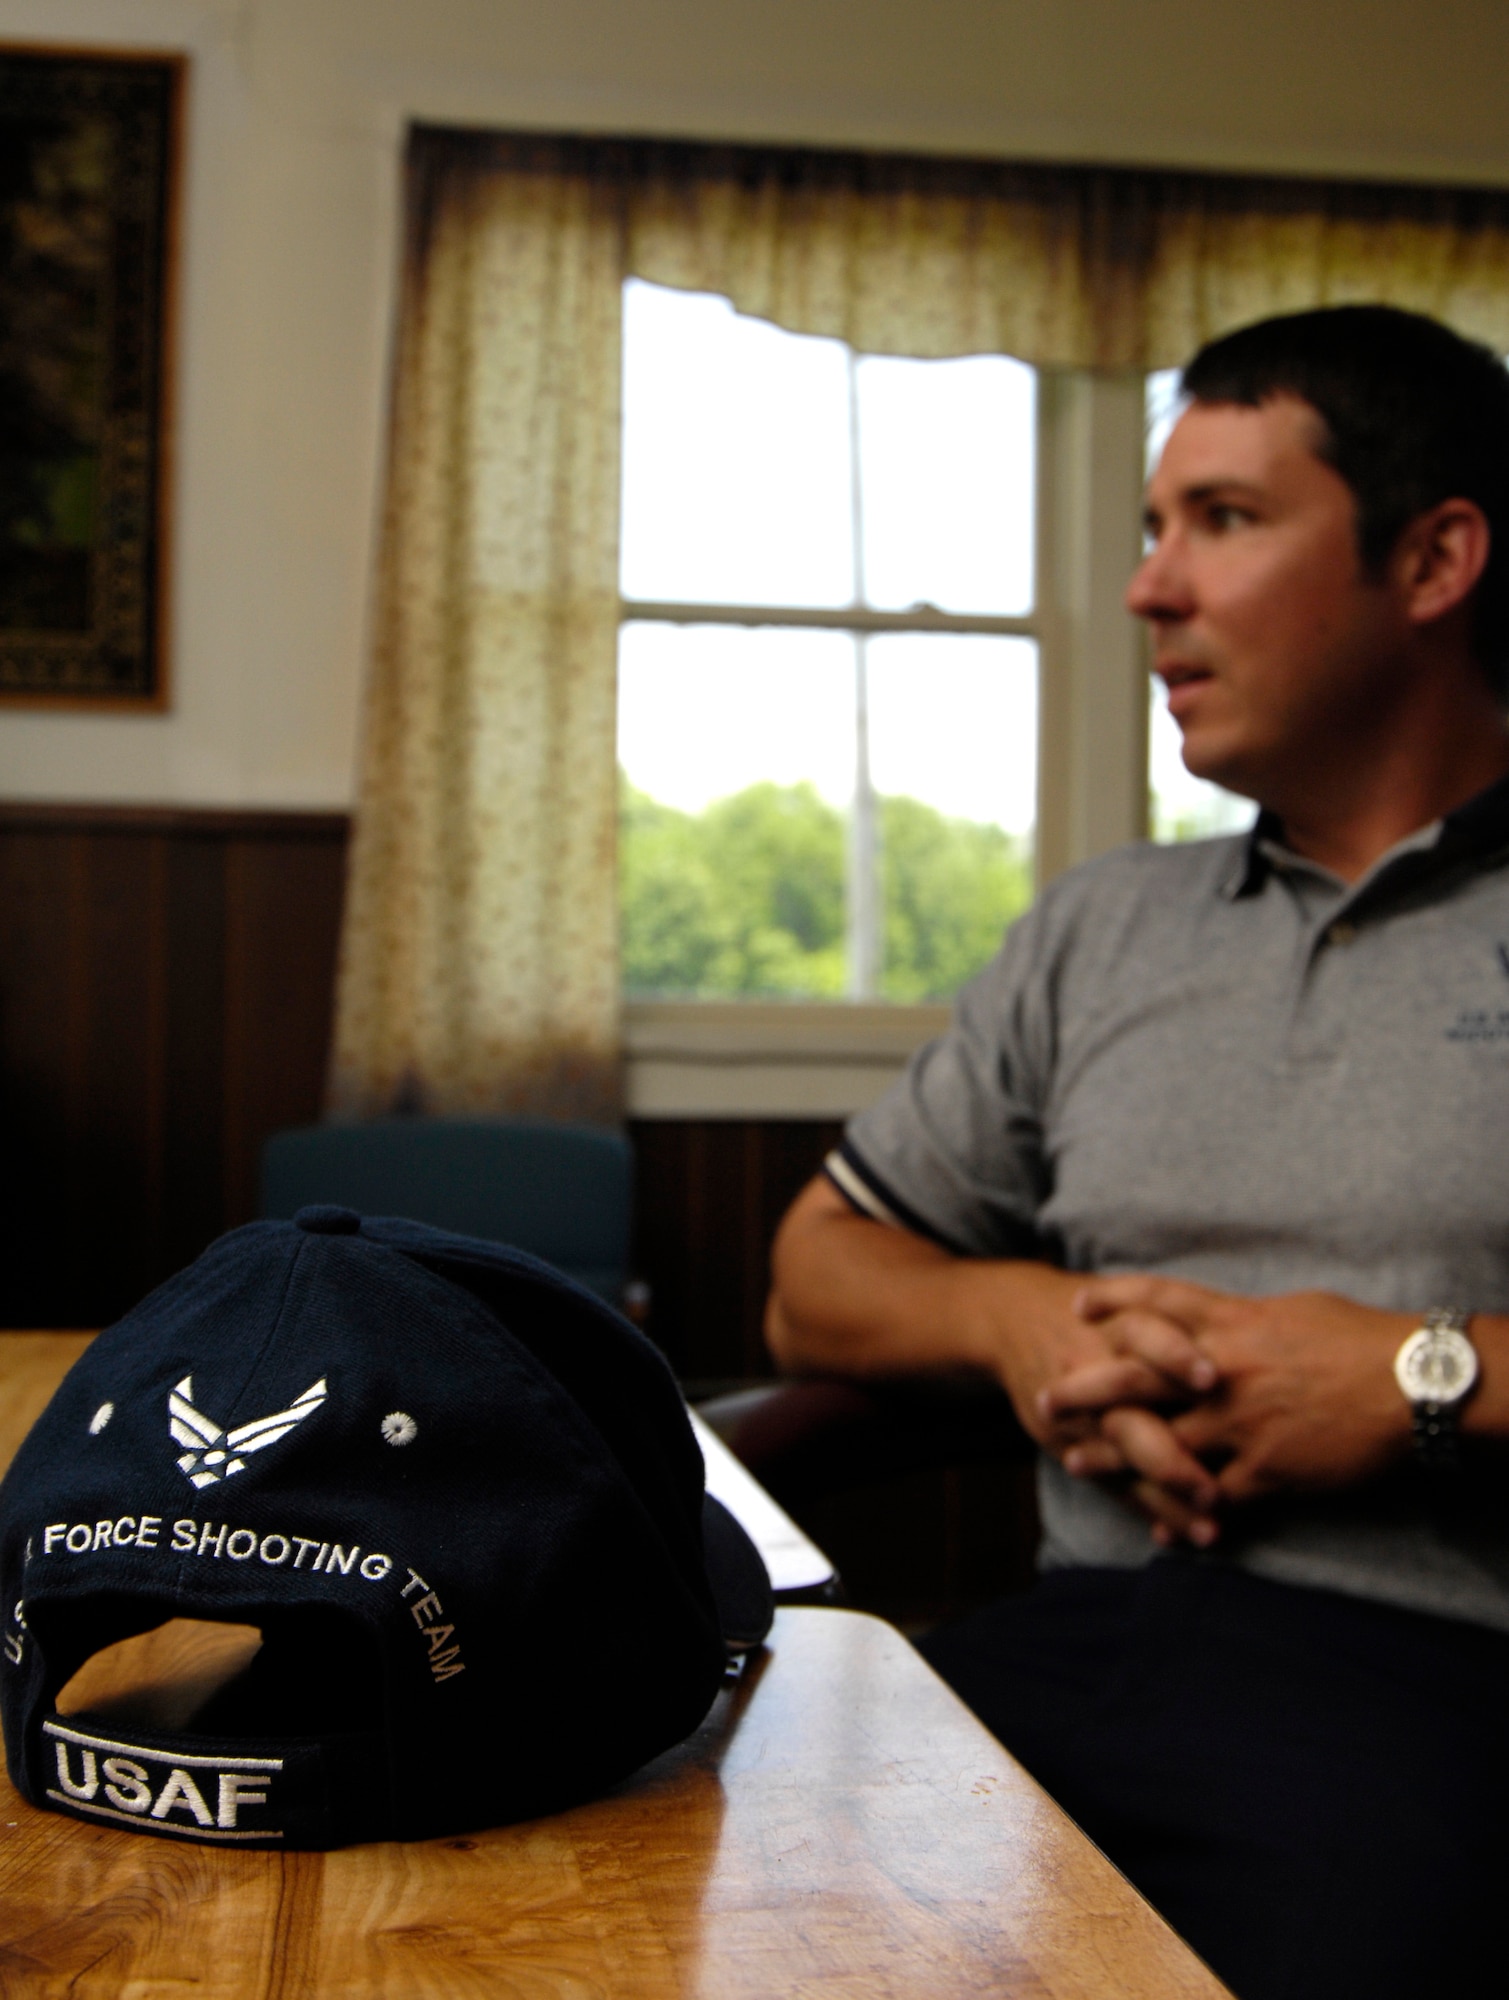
561	1192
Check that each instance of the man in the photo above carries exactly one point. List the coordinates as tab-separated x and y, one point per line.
1204	1146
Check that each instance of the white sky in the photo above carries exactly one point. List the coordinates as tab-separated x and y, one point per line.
736	490
736	467
708	709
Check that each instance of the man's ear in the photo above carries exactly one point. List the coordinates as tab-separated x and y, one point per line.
1439	558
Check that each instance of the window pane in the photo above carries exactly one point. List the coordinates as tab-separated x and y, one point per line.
953	757
947	453
737	753
1162	407
735	457
1182	807
740	757
705	710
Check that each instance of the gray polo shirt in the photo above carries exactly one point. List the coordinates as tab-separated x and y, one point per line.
1220	1062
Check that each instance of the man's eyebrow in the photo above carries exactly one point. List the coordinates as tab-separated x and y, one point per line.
1210	489
1201	494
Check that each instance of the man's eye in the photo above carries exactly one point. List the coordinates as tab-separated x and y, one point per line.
1226	517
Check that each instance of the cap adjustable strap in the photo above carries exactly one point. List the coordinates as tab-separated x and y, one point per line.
310	1792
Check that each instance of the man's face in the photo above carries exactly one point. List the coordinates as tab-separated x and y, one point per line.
1274	646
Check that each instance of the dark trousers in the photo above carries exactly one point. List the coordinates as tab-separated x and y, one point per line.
1313	1789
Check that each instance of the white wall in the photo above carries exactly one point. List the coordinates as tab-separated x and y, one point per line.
296	111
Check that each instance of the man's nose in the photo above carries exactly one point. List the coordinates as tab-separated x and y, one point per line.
1158	589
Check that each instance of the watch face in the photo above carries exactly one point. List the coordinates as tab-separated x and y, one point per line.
1436	1365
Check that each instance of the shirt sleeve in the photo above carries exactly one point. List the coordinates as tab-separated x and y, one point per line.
955	1150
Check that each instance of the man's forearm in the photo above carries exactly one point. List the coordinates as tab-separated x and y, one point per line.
857	1297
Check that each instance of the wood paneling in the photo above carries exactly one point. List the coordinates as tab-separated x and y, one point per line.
165	988
709	1196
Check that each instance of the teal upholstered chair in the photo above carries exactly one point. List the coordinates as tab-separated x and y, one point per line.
559	1191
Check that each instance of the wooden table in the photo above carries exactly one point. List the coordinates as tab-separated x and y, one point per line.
838	1828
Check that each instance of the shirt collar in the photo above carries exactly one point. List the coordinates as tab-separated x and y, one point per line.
1474	831
1481	826
1250	862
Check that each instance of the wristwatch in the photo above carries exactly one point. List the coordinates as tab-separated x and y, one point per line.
1436	1368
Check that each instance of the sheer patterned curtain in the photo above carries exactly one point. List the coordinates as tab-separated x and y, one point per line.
479	958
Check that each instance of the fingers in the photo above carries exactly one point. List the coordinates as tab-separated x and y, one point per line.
1097	1298
1101	1385
1171	1520
1162	1344
1094	1458
1150	1326
1189	1306
1152	1451
1206	1428
1165	1346
1141	1443
1173	1514
1067	1432
1243	1478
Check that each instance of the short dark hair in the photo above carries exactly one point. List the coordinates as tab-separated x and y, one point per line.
1412	414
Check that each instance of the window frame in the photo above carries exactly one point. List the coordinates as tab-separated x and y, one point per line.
824	1059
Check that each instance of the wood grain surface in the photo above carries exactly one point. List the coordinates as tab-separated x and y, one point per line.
31	1367
839	1827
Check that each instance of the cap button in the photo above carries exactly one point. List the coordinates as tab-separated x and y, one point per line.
324	1218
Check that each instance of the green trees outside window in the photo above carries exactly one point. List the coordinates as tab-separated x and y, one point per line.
745	900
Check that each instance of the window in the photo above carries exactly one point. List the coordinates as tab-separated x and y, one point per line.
828	665
876	680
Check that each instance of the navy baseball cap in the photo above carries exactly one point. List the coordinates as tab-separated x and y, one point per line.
457	1493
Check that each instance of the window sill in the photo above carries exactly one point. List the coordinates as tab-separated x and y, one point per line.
731	1059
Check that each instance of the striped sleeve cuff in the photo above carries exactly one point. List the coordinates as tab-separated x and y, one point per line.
863	1189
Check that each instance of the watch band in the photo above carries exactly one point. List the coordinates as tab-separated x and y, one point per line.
1437	1437
1437	1425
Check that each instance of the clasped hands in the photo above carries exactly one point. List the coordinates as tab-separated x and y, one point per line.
1194	1400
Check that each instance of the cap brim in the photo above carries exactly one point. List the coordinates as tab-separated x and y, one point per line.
740	1581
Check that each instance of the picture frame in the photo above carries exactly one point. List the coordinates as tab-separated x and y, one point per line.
89	168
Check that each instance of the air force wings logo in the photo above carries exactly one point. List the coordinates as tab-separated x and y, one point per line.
215	1454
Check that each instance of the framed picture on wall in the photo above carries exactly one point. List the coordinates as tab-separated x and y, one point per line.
89	147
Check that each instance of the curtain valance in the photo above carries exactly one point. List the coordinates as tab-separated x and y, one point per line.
1065	267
